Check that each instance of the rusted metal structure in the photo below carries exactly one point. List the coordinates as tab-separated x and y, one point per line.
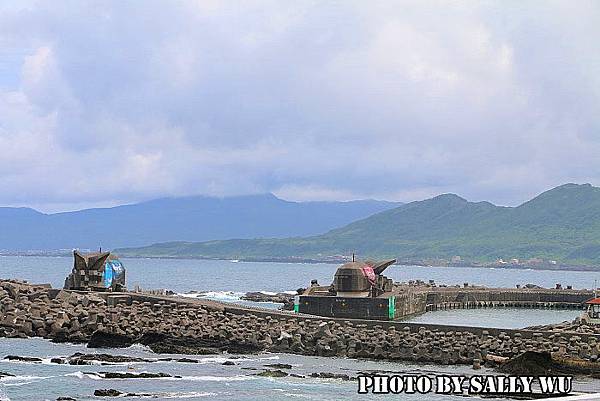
362	279
99	271
359	290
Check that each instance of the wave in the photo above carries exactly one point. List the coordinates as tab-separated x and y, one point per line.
98	376
269	358
16	381
213	359
227	296
212	378
268	292
186	395
79	374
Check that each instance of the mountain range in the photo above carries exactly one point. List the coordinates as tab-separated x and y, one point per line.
196	218
562	224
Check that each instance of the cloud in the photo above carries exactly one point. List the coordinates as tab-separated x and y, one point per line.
107	102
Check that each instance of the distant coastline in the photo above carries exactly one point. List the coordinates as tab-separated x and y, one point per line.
329	260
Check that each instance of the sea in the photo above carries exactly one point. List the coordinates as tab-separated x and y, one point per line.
227	281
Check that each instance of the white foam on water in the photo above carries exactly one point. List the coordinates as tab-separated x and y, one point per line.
22	362
140	347
307	396
287	393
226	296
187	395
212	378
97	376
267	358
16	384
15	381
79	374
214	359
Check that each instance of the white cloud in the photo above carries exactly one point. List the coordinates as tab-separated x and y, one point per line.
311	100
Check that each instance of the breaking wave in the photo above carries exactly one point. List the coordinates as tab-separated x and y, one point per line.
225	296
98	376
186	395
212	378
82	375
15	381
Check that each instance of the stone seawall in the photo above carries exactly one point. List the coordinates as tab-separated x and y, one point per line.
170	324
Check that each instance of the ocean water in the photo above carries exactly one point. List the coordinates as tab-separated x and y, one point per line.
182	275
207	380
227	280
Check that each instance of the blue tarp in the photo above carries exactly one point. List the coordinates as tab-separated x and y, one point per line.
113	269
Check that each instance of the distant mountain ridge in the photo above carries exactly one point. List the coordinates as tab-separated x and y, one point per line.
561	224
194	218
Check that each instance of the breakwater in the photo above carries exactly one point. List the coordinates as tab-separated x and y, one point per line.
176	325
408	300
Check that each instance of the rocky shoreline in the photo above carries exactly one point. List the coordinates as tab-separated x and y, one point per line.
168	325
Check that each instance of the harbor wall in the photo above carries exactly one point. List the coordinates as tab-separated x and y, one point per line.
28	311
409	301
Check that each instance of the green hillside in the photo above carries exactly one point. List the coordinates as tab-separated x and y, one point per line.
562	224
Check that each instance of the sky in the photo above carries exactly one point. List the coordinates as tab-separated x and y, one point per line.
109	102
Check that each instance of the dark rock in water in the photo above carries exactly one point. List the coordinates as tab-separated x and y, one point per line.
127	375
58	361
165	344
87	359
279	366
107	393
63	337
272	373
187	360
228	363
281	298
326	375
6	374
66	399
102	339
22	358
529	363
